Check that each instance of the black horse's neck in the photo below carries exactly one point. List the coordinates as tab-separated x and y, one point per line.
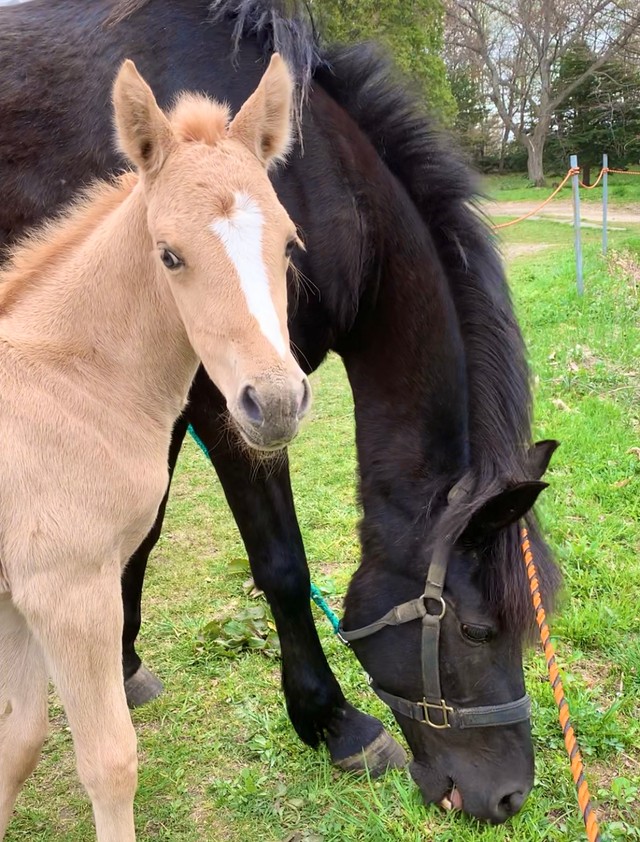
406	364
383	302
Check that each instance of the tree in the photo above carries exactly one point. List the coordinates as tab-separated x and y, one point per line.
412	30
518	44
601	114
470	122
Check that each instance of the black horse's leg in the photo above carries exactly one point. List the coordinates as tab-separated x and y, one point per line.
261	500
140	684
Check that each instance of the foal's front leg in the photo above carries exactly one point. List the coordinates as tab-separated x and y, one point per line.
76	615
140	684
262	504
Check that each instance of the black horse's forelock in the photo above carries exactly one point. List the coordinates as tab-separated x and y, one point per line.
444	190
283	26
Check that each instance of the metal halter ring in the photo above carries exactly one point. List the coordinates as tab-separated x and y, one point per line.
439	599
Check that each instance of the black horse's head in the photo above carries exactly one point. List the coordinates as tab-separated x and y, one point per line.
455	680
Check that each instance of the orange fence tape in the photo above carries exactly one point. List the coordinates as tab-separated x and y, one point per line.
570	172
596	182
546	202
602	172
626	172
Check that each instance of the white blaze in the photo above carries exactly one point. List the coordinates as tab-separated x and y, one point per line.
241	235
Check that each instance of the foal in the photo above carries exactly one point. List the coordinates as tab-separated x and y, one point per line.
104	317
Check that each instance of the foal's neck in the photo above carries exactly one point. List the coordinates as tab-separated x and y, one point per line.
104	315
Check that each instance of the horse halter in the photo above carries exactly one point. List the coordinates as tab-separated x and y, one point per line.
433	709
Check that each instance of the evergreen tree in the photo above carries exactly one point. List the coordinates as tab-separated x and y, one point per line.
412	30
470	123
602	114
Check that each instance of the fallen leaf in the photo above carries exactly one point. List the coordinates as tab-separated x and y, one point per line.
560	404
622	483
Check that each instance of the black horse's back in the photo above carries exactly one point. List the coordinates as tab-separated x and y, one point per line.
59	62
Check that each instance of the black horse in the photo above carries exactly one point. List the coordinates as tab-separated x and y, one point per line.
406	285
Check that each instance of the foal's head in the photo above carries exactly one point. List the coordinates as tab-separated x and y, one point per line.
222	240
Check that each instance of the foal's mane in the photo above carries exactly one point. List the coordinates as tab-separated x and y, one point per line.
47	243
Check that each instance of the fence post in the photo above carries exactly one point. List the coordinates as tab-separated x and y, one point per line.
577	242
605	199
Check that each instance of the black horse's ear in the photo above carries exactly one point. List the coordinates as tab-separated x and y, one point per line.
501	510
539	456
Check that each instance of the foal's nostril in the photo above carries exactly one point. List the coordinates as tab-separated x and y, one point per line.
305	400
251	405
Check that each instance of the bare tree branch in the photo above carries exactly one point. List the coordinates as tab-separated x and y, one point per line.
517	46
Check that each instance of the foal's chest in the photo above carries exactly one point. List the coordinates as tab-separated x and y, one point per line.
82	476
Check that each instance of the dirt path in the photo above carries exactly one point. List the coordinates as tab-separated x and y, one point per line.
513	250
562	210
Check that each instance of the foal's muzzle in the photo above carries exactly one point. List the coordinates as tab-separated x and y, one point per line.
268	411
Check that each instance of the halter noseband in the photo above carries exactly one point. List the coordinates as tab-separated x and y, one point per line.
433	709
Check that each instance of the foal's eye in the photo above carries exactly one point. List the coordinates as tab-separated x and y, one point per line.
477	634
290	247
170	260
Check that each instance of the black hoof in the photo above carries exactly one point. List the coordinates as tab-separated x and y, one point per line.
382	754
142	687
358	742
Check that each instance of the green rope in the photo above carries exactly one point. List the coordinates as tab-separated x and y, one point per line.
316	596
199	442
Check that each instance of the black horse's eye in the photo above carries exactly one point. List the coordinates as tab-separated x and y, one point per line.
170	260
477	634
290	247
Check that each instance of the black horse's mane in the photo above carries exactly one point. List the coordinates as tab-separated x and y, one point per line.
364	81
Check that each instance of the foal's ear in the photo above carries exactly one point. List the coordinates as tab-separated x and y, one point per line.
144	133
263	123
539	456
503	509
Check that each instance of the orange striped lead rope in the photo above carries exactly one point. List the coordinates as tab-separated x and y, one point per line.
577	767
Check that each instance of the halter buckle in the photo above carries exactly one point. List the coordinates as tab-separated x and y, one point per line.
444	709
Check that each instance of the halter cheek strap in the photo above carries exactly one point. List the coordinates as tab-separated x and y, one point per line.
433	709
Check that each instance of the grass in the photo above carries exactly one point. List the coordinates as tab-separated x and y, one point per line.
219	760
623	189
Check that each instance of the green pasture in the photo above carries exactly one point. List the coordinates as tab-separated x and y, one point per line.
515	187
218	758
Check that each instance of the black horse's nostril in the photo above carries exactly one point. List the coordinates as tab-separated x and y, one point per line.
251	405
511	803
305	400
